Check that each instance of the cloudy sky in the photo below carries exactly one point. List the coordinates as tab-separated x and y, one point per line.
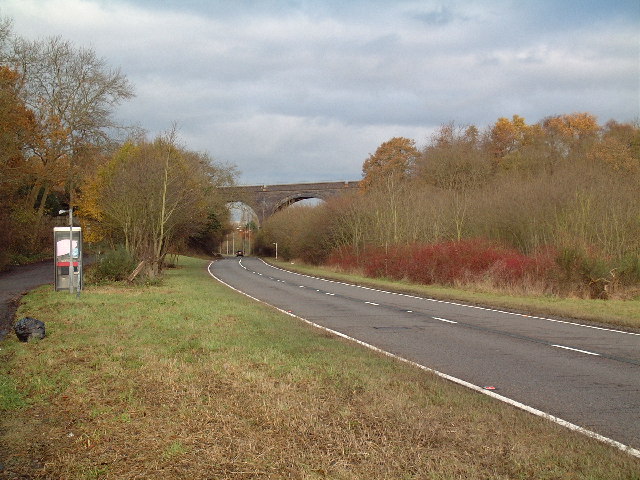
296	90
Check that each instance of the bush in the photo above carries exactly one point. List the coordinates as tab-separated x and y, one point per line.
628	270
447	263
112	266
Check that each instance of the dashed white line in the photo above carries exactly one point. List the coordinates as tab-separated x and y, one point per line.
477	307
443	320
589	433
374	304
577	350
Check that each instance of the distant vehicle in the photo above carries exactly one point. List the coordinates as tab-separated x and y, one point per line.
239	253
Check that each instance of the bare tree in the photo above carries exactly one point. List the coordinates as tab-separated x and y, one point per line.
72	93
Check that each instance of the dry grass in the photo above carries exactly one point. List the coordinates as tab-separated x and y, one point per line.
187	380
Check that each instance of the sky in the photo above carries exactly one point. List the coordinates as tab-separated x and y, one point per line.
304	91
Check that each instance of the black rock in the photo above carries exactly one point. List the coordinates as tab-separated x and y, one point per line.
29	328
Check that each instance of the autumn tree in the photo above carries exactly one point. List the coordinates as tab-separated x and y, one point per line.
17	128
386	174
72	93
619	147
153	195
507	136
570	134
394	158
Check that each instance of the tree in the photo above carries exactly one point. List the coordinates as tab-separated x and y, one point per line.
570	135
619	147
454	159
17	128
72	93
152	196
395	157
508	136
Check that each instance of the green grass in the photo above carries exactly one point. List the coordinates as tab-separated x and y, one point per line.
10	397
619	313
189	379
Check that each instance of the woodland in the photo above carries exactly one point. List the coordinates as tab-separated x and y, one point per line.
137	199
546	208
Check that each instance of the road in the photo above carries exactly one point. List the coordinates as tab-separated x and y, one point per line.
583	374
14	283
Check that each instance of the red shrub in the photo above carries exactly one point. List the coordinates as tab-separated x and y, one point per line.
344	258
448	262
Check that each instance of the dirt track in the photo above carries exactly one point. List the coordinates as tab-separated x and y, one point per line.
16	282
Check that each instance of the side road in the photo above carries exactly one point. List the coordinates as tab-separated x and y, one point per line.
16	282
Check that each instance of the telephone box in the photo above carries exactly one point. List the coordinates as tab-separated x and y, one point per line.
68	258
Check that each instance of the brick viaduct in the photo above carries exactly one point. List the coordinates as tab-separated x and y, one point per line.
265	200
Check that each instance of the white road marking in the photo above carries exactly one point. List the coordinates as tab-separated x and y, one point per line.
374	304
577	350
457	304
507	400
444	320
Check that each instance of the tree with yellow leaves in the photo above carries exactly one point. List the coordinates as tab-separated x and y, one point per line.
396	157
151	195
508	136
570	135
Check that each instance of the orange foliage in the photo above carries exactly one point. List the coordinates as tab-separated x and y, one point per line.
619	147
574	126
506	136
394	157
17	127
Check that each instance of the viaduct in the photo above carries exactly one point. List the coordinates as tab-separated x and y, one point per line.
265	200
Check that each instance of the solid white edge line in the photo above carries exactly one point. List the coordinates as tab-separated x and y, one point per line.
464	383
454	303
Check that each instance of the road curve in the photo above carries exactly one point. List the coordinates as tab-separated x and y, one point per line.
586	375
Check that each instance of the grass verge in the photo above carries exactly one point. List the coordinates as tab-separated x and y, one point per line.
188	379
619	313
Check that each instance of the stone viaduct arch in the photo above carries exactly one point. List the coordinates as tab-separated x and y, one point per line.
265	200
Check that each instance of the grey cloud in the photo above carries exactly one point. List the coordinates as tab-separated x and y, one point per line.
439	16
306	90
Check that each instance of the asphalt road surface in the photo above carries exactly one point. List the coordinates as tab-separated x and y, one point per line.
583	374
